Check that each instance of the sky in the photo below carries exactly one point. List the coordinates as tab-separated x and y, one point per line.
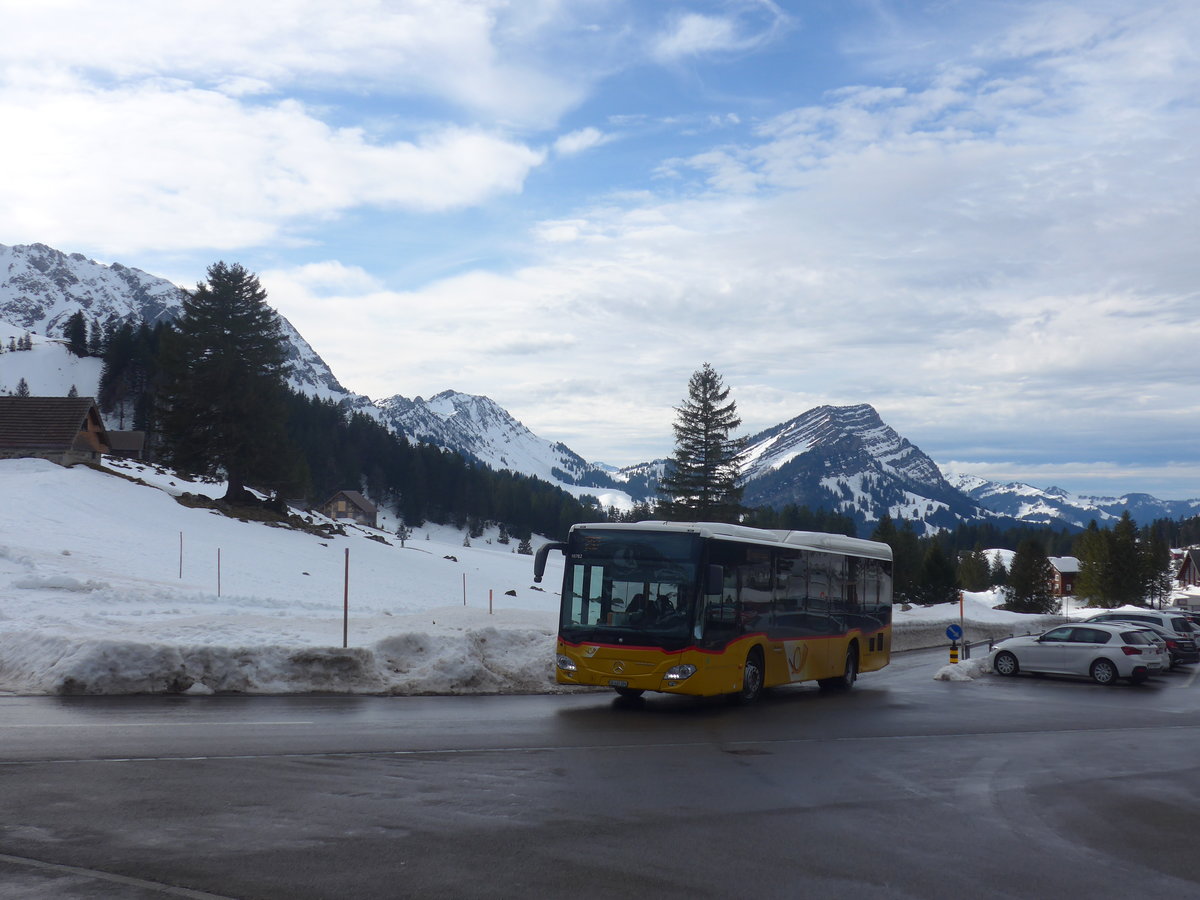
113	587
978	217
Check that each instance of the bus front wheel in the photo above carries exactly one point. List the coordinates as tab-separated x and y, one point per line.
849	675
752	678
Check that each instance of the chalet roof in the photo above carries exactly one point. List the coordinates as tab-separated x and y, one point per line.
43	423
1066	565
357	499
1191	555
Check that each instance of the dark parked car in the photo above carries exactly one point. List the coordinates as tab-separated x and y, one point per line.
1182	650
1163	618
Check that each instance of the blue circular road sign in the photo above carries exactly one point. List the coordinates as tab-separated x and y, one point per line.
954	632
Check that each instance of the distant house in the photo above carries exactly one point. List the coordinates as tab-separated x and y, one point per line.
127	444
65	430
350	505
1064	572
1189	569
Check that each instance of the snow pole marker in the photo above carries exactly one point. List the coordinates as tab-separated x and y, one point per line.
346	603
490	592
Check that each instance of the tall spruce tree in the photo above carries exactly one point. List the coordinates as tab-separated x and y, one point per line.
76	333
1030	586
700	483
223	399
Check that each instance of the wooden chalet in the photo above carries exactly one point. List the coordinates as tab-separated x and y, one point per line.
65	430
127	444
1064	572
1188	574
351	505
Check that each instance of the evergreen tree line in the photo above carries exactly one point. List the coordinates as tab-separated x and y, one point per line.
1122	565
209	392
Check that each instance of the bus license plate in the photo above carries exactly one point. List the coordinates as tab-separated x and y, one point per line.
612	682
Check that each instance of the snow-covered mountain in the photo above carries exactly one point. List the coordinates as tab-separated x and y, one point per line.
40	288
842	458
480	429
1056	507
847	459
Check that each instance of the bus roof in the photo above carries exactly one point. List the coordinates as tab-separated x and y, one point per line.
809	540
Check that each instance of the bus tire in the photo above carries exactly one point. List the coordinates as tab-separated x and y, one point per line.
753	673
849	675
629	693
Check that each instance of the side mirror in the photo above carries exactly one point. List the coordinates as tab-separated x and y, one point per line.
539	561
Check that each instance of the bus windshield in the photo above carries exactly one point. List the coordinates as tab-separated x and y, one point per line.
629	586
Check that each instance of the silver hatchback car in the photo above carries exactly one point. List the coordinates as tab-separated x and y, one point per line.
1103	652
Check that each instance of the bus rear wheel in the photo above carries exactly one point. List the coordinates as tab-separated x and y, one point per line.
752	678
849	675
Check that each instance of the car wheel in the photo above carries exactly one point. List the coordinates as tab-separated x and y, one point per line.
630	693
752	678
1006	664
1104	672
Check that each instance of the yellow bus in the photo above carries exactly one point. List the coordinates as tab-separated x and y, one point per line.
707	609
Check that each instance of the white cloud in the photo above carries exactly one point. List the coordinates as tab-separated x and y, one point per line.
579	141
744	26
979	257
158	167
457	50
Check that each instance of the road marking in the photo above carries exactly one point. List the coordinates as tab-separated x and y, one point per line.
170	724
126	880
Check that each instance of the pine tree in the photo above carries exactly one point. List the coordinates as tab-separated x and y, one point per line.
1126	569
223	397
938	583
22	388
75	332
973	570
1156	564
1092	549
1029	587
700	483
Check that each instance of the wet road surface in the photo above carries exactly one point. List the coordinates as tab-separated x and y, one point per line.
903	787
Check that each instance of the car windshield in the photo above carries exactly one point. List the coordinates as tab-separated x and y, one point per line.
1135	637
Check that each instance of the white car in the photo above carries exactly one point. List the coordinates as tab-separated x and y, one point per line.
1105	652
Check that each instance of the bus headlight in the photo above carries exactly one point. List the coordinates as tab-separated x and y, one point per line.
676	674
566	664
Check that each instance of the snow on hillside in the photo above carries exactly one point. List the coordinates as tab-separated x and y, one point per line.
111	586
49	368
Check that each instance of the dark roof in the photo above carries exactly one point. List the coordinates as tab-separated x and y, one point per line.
42	423
357	499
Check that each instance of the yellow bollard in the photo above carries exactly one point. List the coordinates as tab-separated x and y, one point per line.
953	654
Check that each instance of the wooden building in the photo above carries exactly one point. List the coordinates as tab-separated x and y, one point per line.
127	444
1188	574
65	430
1064	572
351	505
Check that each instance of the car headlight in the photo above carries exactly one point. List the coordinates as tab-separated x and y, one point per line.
566	664
680	673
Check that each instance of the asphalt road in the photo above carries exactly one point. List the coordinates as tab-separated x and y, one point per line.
903	787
